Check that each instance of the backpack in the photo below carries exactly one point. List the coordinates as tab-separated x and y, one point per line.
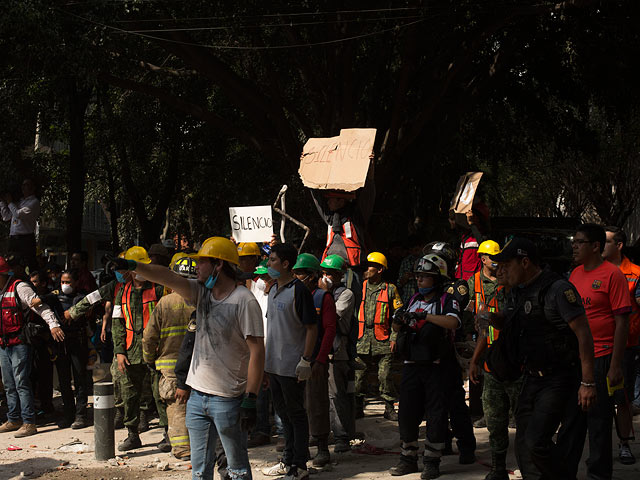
352	335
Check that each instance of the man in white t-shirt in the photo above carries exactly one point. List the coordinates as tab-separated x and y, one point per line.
228	356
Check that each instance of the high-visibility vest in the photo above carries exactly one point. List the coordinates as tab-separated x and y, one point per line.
492	305
149	300
351	243
12	319
381	327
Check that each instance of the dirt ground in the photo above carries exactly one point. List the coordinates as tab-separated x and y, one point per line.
43	456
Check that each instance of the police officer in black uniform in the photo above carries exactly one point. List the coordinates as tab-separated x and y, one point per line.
545	333
422	340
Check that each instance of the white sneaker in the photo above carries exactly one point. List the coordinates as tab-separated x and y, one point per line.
296	473
276	470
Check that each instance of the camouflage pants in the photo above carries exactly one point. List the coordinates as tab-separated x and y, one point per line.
116	377
385	376
499	401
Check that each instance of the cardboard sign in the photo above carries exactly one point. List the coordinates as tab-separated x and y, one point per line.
251	224
338	163
462	200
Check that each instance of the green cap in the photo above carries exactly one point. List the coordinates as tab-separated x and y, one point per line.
334	262
261	270
307	261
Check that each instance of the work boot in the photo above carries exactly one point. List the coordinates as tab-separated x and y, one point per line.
323	457
26	430
498	467
80	422
390	411
10	426
342	445
164	445
405	466
66	422
131	442
431	469
359	407
119	418
143	423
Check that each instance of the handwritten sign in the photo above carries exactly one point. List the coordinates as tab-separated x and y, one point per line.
251	224
462	200
338	163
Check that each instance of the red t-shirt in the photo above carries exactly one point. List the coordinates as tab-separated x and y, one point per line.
632	273
604	294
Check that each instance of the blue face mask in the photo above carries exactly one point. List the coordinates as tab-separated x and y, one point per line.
119	277
273	273
211	281
426	291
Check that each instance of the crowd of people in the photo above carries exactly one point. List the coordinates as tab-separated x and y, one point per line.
219	342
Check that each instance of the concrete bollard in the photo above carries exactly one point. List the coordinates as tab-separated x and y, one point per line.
103	420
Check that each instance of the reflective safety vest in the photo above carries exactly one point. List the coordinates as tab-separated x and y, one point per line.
351	243
381	327
149	300
12	317
492	305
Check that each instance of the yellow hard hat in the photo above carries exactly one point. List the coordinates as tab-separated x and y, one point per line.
248	248
377	257
176	257
489	247
218	247
139	254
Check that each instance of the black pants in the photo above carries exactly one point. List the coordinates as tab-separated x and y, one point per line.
421	394
72	357
288	401
459	414
545	403
42	377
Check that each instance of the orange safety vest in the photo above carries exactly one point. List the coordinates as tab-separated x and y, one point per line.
492	306
351	243
149	300
382	329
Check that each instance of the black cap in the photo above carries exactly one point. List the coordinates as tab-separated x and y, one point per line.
517	247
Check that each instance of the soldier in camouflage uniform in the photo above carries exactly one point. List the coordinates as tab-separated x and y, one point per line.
132	310
498	398
376	341
161	343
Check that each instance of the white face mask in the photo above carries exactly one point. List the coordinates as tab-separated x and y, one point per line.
261	285
66	288
327	281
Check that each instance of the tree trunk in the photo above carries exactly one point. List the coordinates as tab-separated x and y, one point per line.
78	101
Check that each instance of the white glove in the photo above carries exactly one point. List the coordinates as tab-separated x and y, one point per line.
303	370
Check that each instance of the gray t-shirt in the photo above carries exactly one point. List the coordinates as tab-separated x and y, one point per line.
220	360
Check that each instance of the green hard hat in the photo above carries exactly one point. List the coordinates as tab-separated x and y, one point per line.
260	270
334	262
307	261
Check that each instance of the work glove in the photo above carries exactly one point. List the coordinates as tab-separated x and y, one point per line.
303	370
248	412
116	263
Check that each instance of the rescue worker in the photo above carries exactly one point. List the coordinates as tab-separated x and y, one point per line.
341	371
422	340
376	341
545	333
17	298
616	241
482	290
249	255
307	270
161	343
499	397
133	307
106	294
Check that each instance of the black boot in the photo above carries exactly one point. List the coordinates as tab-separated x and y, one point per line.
80	422
165	444
132	441
323	457
143	424
119	418
431	469
498	467
359	407
405	466
390	411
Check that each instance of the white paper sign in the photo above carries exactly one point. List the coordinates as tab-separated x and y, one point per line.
251	224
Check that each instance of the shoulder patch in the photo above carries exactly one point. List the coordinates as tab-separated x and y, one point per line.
570	296
463	289
450	290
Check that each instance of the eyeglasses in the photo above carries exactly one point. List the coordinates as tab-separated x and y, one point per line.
580	242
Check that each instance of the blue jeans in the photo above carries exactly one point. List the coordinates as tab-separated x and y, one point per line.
15	363
210	416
